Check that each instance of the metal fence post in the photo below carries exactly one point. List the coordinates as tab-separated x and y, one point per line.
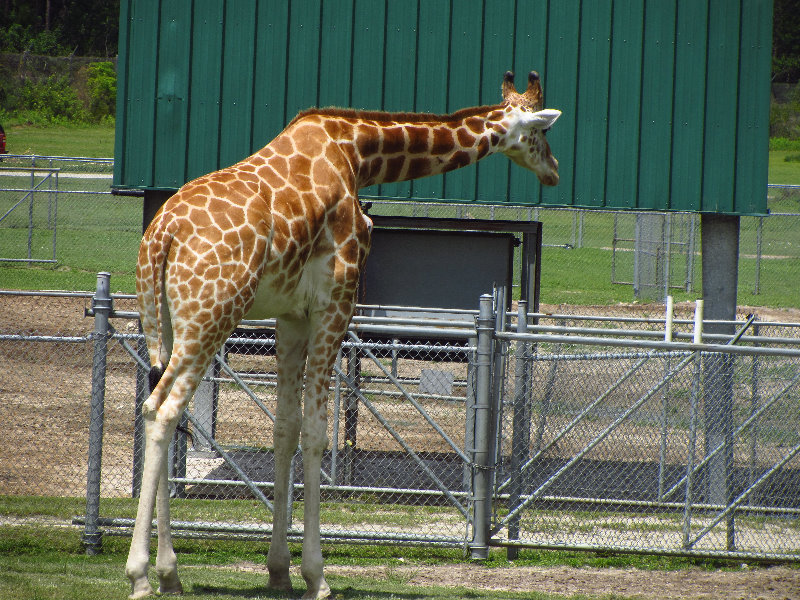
481	478
103	305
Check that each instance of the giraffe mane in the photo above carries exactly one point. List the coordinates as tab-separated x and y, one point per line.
404	117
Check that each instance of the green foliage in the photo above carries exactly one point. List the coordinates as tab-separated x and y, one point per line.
60	27
59	99
792	158
784	117
53	101
783	144
786	41
18	38
102	86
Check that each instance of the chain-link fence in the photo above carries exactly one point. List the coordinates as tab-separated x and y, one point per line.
60	212
558	431
597	257
642	445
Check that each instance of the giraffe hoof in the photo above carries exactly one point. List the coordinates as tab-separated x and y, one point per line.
280	583
171	586
323	592
141	589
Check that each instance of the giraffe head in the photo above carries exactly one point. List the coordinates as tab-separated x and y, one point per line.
528	122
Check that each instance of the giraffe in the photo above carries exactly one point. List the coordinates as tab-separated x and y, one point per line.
281	234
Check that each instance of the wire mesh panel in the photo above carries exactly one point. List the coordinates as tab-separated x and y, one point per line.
46	347
645	449
396	468
60	210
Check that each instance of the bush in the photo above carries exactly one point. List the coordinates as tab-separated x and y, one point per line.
784	117
85	94
54	101
102	86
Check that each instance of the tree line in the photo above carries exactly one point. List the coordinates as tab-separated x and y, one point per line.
60	27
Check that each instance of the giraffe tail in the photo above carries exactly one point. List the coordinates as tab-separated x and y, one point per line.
151	298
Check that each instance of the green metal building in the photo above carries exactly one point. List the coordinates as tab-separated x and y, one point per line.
665	102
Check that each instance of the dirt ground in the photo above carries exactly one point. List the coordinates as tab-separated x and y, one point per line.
24	424
748	583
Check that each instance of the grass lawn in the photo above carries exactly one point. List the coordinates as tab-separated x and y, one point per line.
96	141
782	171
47	562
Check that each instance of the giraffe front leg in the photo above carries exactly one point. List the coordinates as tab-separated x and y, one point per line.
314	442
278	557
292	344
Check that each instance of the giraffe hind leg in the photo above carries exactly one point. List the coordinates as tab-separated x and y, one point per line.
161	412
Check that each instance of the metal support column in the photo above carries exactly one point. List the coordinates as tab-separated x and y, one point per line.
103	306
720	235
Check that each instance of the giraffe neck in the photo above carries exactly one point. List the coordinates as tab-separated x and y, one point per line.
387	147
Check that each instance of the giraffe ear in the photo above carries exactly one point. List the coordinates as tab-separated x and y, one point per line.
542	119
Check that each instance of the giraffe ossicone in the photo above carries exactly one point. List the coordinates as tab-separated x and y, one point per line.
281	234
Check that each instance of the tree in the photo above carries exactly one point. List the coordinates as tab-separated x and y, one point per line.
786	41
81	27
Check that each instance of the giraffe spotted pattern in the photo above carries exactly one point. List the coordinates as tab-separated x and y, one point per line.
281	234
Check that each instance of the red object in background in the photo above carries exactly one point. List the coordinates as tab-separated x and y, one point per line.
2	140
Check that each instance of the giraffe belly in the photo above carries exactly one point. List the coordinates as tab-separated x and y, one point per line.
312	293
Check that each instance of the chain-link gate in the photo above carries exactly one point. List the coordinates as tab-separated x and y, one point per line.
544	433
398	469
614	440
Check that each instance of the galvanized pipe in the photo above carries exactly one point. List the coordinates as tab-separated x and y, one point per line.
103	306
481	473
521	424
729	510
688	498
572	424
754	415
245	388
658	345
198	428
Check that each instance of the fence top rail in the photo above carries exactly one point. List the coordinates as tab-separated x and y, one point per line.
432	328
648	320
36	157
26	170
63	294
660	345
656	335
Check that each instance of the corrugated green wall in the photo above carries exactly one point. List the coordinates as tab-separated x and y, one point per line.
666	102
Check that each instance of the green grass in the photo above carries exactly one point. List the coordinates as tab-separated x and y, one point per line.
44	562
95	141
783	171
